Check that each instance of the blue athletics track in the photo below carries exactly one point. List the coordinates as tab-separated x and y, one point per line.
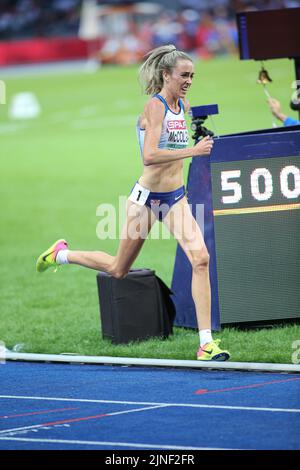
58	406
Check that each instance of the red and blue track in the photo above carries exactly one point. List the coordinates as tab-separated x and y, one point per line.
48	406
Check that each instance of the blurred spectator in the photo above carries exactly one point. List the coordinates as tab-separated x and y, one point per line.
275	108
205	28
207	37
124	50
189	20
30	18
166	30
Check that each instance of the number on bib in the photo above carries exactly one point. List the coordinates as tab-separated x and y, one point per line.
139	195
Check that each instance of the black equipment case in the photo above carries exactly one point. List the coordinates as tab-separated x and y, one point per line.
136	307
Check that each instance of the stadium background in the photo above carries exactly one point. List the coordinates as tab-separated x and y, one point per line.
81	151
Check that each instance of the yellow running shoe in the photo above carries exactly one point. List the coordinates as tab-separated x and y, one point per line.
48	258
212	352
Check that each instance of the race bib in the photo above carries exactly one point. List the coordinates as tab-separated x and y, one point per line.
178	136
139	195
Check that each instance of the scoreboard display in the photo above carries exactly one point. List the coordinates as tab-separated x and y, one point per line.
256	208
250	189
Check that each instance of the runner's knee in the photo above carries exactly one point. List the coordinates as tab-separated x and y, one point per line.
118	272
200	260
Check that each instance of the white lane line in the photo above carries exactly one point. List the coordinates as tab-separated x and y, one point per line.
111	444
97	123
184	405
136	410
139	361
10	128
72	420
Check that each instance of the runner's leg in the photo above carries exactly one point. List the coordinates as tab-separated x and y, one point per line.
184	228
139	221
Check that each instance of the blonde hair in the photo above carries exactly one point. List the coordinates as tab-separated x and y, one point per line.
163	58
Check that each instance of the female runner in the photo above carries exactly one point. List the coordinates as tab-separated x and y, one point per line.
166	75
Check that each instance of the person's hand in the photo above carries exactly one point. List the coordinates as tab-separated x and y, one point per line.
204	146
275	108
